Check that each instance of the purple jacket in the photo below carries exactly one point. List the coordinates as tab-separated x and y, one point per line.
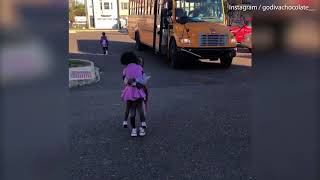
106	40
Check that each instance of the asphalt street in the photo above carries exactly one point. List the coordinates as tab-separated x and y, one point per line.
198	118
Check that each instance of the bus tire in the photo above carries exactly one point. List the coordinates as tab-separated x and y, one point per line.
226	62
175	60
138	45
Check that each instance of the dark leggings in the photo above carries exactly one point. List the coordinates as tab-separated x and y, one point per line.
104	49
126	113
133	107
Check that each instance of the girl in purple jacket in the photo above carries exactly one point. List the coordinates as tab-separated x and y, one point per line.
104	43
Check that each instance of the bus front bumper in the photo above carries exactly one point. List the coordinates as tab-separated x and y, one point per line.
209	53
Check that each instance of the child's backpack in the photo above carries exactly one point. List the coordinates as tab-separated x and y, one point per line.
104	42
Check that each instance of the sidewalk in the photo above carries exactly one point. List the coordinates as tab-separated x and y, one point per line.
96	30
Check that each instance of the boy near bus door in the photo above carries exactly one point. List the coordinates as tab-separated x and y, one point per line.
133	93
104	43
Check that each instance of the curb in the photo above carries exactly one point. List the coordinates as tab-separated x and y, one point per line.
77	82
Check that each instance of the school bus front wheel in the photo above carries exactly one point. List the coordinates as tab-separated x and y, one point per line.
139	46
174	55
226	61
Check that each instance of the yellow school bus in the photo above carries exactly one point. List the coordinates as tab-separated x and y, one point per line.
184	30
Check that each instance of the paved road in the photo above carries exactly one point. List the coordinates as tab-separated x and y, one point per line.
198	119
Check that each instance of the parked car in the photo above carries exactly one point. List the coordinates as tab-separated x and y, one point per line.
241	30
247	42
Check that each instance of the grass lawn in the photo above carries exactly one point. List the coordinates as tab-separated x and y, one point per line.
77	63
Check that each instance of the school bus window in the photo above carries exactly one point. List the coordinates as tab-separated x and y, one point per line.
142	7
145	7
192	6
158	7
129	8
160	4
133	8
148	4
138	8
151	7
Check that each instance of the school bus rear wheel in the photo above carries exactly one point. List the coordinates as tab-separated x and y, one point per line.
175	60
139	45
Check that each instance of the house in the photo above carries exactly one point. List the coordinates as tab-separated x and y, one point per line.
124	12
103	14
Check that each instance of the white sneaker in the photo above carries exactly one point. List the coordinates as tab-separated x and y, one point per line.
125	124
134	132
144	125
142	132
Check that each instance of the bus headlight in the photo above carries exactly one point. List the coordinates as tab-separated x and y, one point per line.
185	41
233	40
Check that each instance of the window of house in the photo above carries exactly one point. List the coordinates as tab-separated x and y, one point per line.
124	6
107	5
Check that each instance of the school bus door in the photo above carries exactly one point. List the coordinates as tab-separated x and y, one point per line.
160	31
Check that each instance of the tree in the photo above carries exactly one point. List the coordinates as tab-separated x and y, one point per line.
76	10
79	10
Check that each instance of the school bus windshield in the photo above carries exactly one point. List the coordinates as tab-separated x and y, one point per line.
200	10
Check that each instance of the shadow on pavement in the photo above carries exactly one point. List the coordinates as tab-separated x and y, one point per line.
243	50
123	31
116	48
212	65
161	60
244	55
93	46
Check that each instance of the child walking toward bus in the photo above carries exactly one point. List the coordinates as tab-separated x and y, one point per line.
104	43
134	93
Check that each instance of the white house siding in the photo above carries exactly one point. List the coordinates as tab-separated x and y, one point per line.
105	13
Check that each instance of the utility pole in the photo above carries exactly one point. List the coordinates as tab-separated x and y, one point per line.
93	22
118	14
87	14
